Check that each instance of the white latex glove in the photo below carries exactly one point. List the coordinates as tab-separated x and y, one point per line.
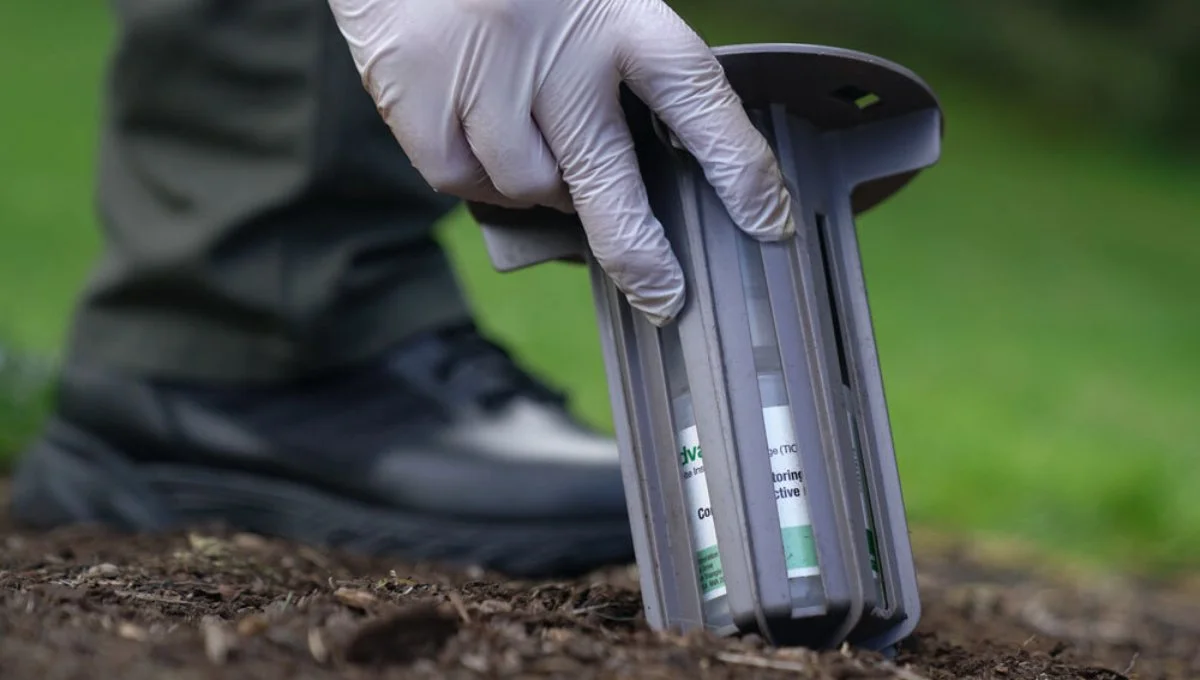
515	103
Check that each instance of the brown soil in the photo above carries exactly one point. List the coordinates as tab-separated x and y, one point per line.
82	603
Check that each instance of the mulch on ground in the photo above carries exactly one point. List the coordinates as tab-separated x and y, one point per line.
84	603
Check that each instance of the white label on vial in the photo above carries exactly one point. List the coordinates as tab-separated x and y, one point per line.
799	548
704	534
791	500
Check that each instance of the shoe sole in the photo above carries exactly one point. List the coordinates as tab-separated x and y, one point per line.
71	477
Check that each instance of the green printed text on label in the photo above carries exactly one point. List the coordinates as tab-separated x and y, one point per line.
704	534
790	497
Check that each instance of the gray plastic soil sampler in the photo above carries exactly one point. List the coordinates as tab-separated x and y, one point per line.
754	437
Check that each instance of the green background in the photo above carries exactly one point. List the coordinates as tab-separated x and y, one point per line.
1034	294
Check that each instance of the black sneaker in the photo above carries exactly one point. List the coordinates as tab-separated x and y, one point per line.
443	450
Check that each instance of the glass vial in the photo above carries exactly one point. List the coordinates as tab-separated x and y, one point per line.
800	552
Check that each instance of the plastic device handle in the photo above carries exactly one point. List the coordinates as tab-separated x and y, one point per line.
516	239
765	75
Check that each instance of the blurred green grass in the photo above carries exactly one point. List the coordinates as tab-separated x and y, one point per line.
1034	299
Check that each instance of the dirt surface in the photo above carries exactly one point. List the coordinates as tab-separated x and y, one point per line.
82	604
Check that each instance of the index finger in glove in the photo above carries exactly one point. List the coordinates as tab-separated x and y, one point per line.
675	73
586	130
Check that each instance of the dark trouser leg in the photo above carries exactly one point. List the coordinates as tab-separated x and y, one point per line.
262	225
261	222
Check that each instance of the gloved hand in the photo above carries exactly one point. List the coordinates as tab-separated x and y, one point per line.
515	103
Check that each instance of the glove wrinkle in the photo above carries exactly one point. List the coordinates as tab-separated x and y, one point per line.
516	103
